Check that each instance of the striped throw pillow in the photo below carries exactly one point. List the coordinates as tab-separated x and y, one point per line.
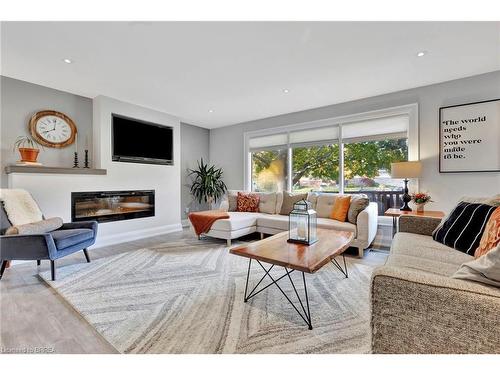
462	230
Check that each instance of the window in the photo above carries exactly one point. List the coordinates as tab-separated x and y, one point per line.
269	170
367	165
315	168
350	153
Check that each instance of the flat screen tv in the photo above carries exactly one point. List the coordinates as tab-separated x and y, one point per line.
137	141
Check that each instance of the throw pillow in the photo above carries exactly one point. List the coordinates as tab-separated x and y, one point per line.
485	269
464	227
267	203
232	198
247	202
340	208
491	235
358	203
39	227
289	199
491	201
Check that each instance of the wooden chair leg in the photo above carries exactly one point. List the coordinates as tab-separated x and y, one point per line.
53	269
4	265
86	255
38	262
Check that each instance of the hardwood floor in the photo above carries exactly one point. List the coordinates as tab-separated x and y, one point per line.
33	316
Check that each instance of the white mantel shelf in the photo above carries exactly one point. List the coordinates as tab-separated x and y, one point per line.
53	170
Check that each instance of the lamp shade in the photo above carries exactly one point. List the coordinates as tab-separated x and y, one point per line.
406	169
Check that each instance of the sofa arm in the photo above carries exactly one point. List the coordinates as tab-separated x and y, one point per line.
90	224
366	225
419	312
27	247
418	224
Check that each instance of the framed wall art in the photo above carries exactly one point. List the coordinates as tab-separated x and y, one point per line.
469	137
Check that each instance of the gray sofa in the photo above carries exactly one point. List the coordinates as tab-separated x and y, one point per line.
417	307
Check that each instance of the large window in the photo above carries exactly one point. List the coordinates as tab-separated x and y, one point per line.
367	165
269	170
315	168
353	154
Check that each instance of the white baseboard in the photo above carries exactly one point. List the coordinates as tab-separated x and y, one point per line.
135	235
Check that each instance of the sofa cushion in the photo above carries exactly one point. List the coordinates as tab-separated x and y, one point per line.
324	204
312	197
289	199
485	269
421	252
340	208
247	202
279	201
64	238
491	235
358	203
464	227
267	203
232	199
337	225
280	222
236	221
42	226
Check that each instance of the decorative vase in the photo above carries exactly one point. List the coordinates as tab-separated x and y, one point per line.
420	207
29	154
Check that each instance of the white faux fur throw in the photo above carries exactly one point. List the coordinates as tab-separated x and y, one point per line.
20	206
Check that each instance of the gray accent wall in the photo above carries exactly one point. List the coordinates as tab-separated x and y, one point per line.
226	143
20	100
194	146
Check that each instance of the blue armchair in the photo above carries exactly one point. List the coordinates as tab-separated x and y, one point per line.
70	238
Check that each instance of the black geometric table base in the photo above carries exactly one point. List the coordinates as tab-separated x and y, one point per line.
306	313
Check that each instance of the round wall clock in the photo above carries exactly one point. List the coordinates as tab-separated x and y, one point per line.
52	129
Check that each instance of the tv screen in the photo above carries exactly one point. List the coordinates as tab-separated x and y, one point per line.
138	141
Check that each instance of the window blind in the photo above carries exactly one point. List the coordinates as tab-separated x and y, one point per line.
268	141
315	135
377	128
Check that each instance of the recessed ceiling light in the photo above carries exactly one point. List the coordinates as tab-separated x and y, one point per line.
68	61
286	91
421	53
210	111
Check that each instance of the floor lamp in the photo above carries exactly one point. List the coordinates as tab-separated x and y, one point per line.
406	170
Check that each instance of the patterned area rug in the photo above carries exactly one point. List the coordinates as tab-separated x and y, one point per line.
187	297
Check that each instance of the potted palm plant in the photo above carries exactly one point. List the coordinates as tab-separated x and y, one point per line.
28	148
207	185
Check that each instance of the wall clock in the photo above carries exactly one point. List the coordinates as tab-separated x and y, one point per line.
52	129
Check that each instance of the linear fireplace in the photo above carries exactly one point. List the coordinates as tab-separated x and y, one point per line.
105	206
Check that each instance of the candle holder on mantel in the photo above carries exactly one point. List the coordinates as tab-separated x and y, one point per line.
86	159
75	161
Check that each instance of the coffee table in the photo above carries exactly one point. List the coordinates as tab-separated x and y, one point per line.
276	251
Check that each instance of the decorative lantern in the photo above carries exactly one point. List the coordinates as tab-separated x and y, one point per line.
302	224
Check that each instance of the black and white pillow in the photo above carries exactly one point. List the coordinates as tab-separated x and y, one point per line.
462	230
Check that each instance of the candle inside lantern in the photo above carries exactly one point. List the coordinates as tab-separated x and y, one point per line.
302	228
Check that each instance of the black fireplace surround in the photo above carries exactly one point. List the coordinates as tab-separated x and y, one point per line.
106	206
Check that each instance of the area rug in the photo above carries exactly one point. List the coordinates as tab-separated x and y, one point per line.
187	297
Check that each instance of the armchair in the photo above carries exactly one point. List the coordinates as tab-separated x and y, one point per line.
70	238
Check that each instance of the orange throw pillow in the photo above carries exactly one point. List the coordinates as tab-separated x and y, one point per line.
247	202
340	208
491	234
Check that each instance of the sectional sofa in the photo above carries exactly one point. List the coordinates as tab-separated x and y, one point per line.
269	220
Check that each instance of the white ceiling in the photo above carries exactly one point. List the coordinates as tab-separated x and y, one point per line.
239	69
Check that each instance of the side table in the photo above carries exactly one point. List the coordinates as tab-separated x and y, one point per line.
396	213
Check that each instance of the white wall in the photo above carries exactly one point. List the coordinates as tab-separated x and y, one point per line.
53	192
226	143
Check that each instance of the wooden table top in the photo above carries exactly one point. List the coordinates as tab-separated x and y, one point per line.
397	212
276	250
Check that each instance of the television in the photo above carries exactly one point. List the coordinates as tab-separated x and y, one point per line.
137	141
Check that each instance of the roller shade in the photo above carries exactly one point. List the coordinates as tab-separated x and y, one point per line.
315	135
381	127
268	141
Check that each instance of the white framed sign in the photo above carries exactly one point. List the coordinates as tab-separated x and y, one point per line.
469	137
